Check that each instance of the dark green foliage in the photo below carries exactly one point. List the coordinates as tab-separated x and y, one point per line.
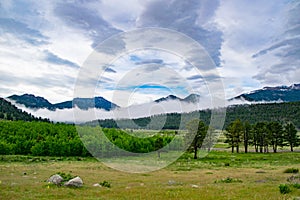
284	189
229	180
291	170
40	139
134	144
197	131
261	135
254	113
105	184
296	185
49	139
66	176
234	133
290	135
11	112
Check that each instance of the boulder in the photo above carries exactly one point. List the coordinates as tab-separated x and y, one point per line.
55	179
75	182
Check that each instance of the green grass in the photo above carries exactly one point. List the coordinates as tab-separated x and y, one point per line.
23	178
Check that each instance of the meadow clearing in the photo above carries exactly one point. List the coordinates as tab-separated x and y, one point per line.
219	175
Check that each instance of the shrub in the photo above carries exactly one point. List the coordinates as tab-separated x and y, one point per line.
65	176
284	189
296	185
229	180
227	164
291	170
105	184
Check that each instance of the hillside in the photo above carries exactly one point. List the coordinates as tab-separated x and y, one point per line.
36	102
283	112
278	93
11	112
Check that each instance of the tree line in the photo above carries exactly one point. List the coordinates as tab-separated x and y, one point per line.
261	135
59	139
281	112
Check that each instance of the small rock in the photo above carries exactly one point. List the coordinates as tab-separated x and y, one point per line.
194	186
171	182
55	179
75	182
97	185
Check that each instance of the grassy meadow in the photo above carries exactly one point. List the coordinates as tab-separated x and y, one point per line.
252	176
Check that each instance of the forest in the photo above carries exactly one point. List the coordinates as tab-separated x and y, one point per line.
8	111
58	139
253	113
50	139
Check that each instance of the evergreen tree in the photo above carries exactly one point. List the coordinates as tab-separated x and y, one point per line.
275	134
290	135
197	131
234	134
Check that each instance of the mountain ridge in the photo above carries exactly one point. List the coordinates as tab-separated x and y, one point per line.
272	94
37	102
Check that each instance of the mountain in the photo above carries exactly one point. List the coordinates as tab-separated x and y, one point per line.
192	98
271	94
86	103
10	112
168	98
31	101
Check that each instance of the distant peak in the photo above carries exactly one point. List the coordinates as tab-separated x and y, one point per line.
192	98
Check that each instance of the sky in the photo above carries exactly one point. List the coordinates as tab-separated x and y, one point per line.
46	46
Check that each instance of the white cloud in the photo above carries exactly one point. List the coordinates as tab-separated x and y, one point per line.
247	28
231	31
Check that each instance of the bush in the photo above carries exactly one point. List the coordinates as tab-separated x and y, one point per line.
291	170
284	189
296	185
229	180
105	184
65	176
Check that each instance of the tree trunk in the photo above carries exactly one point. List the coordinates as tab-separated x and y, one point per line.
195	152
292	148
260	149
232	149
246	147
237	148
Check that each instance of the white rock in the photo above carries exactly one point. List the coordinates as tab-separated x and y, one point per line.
55	179
75	182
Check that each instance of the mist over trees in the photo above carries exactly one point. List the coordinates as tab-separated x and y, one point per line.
254	113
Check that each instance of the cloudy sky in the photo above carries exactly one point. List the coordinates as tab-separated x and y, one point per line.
45	44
